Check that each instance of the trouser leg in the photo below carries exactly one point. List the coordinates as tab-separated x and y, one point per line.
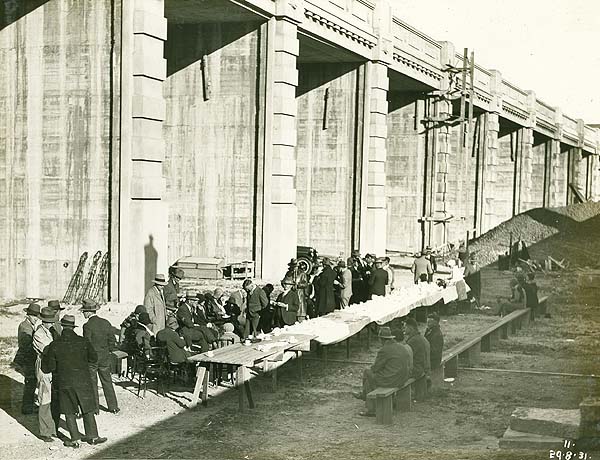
89	425
72	427
28	394
55	408
107	385
94	375
46	423
368	386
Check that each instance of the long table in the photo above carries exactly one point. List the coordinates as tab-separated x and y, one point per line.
339	325
242	357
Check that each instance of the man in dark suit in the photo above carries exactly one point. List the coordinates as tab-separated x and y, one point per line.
102	337
326	293
171	290
68	358
390	369
57	307
191	332
25	358
434	336
257	300
175	344
378	279
420	348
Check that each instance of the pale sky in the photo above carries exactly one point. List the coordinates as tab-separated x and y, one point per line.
549	46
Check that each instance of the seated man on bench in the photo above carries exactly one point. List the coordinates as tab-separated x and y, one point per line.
391	369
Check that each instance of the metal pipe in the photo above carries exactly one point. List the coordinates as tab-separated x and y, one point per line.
515	371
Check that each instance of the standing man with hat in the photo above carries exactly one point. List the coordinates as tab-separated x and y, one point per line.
434	336
326	294
57	307
300	280
171	291
155	303
257	300
48	413
390	369
100	334
24	360
378	279
344	284
69	358
431	258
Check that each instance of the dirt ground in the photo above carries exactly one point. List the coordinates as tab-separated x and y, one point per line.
318	419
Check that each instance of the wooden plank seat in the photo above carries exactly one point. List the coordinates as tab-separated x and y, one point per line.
387	398
511	322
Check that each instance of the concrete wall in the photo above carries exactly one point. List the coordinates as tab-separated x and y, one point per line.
210	134
405	169
54	143
325	157
536	182
501	185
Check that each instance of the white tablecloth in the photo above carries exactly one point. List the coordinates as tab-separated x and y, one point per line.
341	324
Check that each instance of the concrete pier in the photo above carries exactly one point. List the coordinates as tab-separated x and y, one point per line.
156	129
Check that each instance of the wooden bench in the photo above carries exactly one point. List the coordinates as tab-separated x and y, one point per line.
401	398
468	352
509	324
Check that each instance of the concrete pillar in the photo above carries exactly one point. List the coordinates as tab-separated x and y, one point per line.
552	195
523	171
279	223
492	126
141	219
373	234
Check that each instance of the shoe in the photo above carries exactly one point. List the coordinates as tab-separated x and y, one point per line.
73	444
115	411
358	395
364	413
47	438
98	440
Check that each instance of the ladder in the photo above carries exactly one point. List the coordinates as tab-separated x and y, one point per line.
85	289
75	282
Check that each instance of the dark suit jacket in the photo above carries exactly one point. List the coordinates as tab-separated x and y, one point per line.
101	335
170	293
68	357
184	315
421	358
174	344
378	281
26	354
326	293
436	344
391	367
291	300
257	301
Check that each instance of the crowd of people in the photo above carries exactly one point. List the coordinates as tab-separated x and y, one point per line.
64	368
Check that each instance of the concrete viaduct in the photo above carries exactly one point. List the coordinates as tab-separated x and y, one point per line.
155	129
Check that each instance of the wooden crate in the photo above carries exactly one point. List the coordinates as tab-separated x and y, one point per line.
240	270
201	267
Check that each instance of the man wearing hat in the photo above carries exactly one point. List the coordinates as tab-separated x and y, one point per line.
473	276
378	279
57	307
128	328
420	347
191	332
421	268
431	258
155	303
143	334
287	304
344	284
300	280
325	287
48	413
101	335
171	291
24	360
69	358
257	300
391	369
434	336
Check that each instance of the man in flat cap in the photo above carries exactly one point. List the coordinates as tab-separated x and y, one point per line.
390	369
69	358
24	360
101	335
155	303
